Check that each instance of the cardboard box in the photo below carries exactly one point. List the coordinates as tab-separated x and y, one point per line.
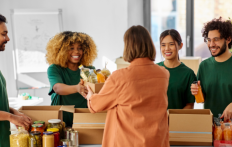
121	63
190	127
191	62
94	87
90	126
45	113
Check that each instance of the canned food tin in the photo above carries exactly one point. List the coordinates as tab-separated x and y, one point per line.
67	132
65	142
75	138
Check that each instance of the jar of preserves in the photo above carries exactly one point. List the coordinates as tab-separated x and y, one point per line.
55	123
56	134
38	127
227	132
40	122
48	139
19	138
217	132
35	139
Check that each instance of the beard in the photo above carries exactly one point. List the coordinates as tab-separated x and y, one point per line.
2	48
222	50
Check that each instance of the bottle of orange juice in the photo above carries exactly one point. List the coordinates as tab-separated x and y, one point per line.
199	96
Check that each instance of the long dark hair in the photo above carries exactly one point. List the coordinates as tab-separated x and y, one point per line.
174	34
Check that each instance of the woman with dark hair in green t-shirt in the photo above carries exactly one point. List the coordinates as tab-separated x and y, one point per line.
181	77
65	52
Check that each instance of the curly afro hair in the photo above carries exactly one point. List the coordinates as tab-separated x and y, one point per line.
58	48
224	28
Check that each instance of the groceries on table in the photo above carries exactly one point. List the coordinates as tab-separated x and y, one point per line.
53	135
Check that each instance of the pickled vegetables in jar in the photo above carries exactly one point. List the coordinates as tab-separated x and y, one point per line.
19	138
227	132
217	132
92	77
35	139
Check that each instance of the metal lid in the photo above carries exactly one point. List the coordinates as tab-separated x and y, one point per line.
75	131
54	121
47	133
227	124
65	140
37	125
53	130
39	122
35	133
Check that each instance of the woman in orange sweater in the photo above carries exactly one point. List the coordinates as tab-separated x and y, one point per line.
135	97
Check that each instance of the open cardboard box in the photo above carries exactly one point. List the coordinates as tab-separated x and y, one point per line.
45	113
90	126
190	127
94	87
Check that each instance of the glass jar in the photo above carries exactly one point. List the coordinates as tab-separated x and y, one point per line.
217	132
56	134
227	132
19	138
55	123
40	122
35	139
48	139
38	127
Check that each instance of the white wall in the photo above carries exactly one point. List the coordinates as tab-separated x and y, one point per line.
104	20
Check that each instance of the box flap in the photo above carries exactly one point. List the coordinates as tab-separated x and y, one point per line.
190	111
69	108
40	108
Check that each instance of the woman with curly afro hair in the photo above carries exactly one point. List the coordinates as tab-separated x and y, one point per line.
214	74
65	52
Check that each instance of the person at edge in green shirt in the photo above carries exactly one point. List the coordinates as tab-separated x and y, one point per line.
66	51
215	73
7	114
181	76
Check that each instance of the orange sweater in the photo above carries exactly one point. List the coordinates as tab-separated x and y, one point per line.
136	100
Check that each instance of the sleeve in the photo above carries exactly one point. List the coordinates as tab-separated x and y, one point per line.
53	77
190	97
107	97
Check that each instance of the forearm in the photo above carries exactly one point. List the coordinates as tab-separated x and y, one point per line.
63	89
5	116
13	111
189	106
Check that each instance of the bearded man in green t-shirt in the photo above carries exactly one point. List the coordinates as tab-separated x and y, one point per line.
7	114
215	73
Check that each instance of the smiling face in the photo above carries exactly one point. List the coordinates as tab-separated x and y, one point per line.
3	36
75	53
217	45
170	48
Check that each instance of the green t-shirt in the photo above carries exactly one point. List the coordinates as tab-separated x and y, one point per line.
4	106
216	83
58	74
181	78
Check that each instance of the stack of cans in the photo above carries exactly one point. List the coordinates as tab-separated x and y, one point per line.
71	138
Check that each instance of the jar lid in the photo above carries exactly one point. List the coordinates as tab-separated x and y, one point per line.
53	130
227	124
35	133
54	121
37	125
47	133
39	122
